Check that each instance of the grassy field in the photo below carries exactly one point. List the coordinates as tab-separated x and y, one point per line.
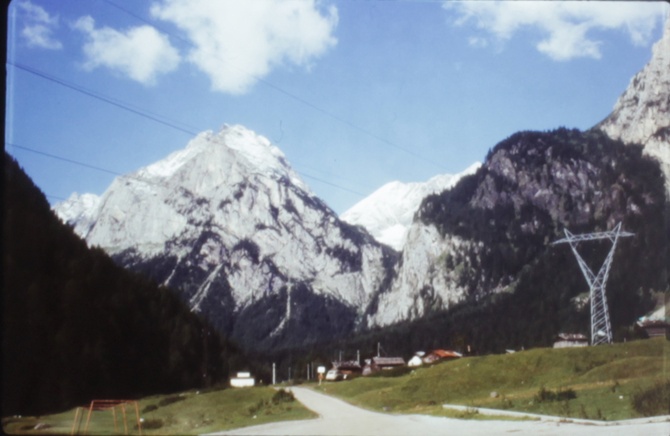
186	413
592	383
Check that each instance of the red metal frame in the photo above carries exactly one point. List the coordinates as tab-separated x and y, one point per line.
103	405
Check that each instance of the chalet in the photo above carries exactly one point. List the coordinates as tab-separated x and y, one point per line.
566	340
655	328
437	355
348	367
243	380
382	363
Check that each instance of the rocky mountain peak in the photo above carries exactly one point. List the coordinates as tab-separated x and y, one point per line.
225	157
642	114
231	226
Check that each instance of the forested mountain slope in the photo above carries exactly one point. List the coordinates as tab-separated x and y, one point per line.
483	249
78	327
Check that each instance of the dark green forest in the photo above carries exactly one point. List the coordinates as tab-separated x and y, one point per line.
77	327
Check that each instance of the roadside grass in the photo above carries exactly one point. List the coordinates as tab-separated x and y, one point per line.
603	380
191	412
468	413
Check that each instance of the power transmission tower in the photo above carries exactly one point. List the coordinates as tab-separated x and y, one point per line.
601	330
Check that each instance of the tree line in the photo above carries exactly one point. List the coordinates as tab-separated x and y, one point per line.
77	327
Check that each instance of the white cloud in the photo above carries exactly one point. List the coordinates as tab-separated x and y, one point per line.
39	26
141	52
564	25
236	43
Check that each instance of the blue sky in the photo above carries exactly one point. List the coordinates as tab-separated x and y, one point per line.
356	93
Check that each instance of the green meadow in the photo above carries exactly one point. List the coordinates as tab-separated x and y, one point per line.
602	383
191	412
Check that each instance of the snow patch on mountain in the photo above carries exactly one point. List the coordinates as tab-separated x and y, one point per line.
388	212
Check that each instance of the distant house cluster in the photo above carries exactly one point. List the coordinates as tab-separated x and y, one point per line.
343	370
654	326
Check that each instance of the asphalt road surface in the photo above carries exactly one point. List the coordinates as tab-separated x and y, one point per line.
338	418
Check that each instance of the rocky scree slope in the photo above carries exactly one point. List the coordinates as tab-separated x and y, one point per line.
491	233
231	225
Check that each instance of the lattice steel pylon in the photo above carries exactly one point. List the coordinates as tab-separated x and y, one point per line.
601	329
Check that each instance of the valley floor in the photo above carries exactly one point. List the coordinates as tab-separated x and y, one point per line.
336	417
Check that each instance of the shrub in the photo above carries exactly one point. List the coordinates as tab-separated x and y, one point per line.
283	396
545	394
566	394
654	400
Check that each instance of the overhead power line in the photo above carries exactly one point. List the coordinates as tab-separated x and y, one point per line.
64	159
289	94
189	130
134	110
114	102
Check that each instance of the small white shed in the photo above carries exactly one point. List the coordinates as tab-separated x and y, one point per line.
415	361
243	380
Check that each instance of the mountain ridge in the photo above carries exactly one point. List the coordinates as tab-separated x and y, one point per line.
243	238
387	213
230	224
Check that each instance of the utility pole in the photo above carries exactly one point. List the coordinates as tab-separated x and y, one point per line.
274	374
601	329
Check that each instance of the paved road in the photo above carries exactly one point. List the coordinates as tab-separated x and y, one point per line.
338	418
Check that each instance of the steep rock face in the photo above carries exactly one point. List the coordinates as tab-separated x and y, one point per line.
475	240
230	224
642	113
387	213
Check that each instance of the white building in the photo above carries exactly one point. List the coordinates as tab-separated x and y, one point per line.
243	380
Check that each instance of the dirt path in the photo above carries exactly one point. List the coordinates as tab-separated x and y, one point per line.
338	418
